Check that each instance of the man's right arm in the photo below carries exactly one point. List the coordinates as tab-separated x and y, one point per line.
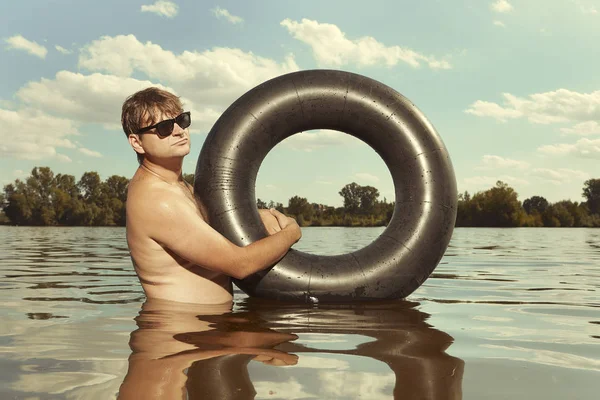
183	231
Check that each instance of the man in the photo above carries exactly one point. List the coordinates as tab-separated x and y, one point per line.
176	254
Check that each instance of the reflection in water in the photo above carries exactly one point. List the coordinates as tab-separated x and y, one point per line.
521	305
204	352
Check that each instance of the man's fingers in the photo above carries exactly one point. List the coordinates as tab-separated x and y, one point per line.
276	212
281	218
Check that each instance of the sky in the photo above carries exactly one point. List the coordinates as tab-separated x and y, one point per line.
511	86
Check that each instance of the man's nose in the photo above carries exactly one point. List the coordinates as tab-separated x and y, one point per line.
177	129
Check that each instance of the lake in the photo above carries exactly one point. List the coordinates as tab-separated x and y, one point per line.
508	314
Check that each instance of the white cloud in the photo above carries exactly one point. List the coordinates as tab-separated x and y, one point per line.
90	153
560	175
6	104
97	98
221	12
555	176
494	162
92	98
490	181
331	47
587	128
366	177
162	7
207	82
18	42
62	50
345	385
317	139
316	362
561	105
63	158
544	357
501	6
586	148
211	79
500	24
487	109
60	382
291	389
585	8
270	187
39	135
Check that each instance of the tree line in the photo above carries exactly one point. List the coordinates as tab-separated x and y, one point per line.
500	207
46	199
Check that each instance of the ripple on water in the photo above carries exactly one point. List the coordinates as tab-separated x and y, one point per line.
506	301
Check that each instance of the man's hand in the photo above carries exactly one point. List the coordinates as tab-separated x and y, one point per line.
286	222
269	221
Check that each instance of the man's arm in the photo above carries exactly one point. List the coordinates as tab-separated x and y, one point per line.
183	231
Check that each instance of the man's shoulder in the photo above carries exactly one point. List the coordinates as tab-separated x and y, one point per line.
150	194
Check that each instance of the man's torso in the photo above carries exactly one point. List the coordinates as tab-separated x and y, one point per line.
162	273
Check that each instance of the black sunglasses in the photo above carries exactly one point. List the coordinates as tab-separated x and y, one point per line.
165	128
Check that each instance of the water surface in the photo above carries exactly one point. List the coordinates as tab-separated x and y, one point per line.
508	313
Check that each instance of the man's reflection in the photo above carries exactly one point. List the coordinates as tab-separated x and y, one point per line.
171	336
202	352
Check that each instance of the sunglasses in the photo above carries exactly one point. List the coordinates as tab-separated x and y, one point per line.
165	128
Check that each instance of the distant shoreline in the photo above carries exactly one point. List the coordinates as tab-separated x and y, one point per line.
315	226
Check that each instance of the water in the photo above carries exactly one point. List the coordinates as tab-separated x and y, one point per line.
508	314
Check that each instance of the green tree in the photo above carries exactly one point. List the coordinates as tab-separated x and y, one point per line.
39	187
563	215
96	210
535	203
17	207
65	198
550	217
498	206
578	211
3	218
115	193
359	199
464	210
300	208
368	199
351	194
261	204
46	199
591	191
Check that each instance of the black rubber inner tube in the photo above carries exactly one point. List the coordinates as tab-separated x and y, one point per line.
411	246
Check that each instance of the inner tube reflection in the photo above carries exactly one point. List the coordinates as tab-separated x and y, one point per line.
203	352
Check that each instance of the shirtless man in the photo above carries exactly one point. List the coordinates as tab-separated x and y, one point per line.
177	255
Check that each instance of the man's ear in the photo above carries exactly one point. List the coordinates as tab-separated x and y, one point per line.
136	142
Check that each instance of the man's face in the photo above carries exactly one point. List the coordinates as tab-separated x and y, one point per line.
154	147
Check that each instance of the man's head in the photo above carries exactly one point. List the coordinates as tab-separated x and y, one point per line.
146	108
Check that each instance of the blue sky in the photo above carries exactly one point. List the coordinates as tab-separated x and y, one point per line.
512	86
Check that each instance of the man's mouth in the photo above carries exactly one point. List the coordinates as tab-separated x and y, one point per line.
182	141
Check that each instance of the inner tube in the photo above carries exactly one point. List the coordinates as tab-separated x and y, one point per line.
411	246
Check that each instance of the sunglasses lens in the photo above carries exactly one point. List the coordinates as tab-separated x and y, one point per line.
165	128
184	120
